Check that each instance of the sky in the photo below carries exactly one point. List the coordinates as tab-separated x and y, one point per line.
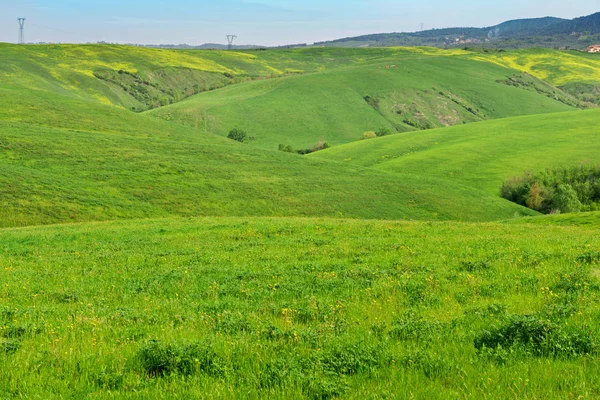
259	22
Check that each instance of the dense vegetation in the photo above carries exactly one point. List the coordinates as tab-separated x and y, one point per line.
557	190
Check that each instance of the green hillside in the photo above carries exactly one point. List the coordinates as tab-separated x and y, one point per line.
51	175
139	78
575	73
145	255
298	308
484	154
404	94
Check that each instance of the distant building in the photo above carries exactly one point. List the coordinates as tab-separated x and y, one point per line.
594	49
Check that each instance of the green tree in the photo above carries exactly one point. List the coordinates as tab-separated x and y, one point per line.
565	199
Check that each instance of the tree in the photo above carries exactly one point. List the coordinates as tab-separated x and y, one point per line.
565	199
238	134
536	197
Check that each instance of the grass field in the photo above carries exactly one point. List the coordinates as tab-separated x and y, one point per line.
482	155
299	308
144	255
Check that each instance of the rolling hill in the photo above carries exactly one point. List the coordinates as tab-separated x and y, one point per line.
405	93
73	150
483	154
177	263
69	156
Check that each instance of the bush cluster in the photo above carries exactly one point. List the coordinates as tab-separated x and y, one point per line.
561	190
238	135
320	145
378	133
159	359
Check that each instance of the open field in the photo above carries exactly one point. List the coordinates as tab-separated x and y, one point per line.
296	308
145	255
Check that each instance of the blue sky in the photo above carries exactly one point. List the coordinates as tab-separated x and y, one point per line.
266	22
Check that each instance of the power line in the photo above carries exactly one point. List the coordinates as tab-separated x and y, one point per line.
230	39
21	30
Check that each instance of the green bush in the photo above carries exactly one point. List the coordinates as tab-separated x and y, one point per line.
159	359
368	135
238	135
536	337
383	132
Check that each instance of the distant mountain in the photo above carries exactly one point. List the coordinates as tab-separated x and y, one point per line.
589	25
533	32
522	27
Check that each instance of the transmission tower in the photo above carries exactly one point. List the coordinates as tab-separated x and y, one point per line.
230	39
21	30
422	26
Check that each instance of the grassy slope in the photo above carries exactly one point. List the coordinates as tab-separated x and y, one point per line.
484	154
558	68
67	157
291	308
51	175
69	69
427	91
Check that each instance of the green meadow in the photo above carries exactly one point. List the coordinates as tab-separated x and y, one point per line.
299	308
143	254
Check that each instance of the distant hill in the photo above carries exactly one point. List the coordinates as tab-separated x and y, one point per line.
548	32
583	25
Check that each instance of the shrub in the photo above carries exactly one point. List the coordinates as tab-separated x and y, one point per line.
352	358
321	145
372	101
591	257
383	132
9	346
514	189
537	337
475	266
368	135
238	135
159	359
